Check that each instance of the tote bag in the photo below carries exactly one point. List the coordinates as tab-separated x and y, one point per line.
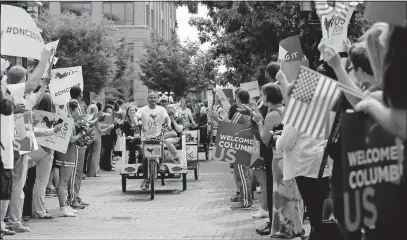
120	144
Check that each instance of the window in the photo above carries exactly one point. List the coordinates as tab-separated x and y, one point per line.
162	27
77	8
147	16
152	19
131	46
122	13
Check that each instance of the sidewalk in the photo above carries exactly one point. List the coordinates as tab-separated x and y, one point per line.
201	212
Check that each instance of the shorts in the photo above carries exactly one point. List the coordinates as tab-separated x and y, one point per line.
6	184
69	159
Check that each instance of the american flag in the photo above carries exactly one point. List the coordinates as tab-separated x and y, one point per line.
312	97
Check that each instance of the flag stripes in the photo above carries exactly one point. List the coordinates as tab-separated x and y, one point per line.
309	116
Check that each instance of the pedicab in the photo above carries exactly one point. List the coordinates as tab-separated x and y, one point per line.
160	162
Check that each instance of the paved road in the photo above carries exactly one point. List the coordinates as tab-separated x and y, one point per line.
201	212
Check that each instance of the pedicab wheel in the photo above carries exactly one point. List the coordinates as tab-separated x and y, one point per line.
124	183
184	182
153	169
196	171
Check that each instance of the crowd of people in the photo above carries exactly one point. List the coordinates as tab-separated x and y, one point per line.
290	178
26	181
292	183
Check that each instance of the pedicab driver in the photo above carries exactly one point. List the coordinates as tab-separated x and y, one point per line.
152	118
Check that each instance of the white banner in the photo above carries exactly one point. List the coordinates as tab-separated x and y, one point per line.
252	88
52	46
60	140
21	36
335	29
223	99
63	79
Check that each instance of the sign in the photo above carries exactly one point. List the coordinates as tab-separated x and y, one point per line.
335	29
237	143
47	120
52	46
22	37
372	167
390	12
291	69
290	49
252	88
63	79
24	139
223	99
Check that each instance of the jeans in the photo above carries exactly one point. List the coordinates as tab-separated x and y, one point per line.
106	161
242	174
262	179
43	172
74	185
93	164
17	197
314	192
28	191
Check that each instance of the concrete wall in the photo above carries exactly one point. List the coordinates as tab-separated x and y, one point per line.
138	32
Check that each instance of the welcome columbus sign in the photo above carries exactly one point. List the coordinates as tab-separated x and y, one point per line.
237	143
372	168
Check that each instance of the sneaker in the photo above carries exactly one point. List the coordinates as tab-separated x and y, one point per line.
240	206
7	232
19	228
145	185
77	205
235	198
83	203
258	189
54	192
72	210
66	213
162	168
261	214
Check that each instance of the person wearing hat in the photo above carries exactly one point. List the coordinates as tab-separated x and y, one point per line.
166	93
171	98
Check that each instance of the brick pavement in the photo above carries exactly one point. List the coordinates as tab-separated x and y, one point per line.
201	212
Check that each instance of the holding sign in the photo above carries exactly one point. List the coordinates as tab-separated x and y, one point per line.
237	143
60	140
20	33
371	171
63	79
24	139
223	99
52	46
252	88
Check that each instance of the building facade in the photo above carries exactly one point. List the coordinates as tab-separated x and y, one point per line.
135	19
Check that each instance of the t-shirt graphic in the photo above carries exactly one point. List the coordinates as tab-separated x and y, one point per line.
153	120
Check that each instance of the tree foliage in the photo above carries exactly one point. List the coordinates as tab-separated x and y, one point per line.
246	35
98	47
168	65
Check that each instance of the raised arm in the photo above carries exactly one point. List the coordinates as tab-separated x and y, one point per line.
34	79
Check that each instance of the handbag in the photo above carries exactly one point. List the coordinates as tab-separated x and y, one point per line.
120	144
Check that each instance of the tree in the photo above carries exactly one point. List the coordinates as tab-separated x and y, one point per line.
98	47
246	35
167	65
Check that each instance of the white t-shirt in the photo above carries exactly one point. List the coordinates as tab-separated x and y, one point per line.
153	120
185	115
17	91
7	136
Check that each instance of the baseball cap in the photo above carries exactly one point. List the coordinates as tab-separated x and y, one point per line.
164	98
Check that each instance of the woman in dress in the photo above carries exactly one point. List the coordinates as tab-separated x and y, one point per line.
285	215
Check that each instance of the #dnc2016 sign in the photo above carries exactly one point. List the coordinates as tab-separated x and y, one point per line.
20	35
63	79
60	140
371	173
236	143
